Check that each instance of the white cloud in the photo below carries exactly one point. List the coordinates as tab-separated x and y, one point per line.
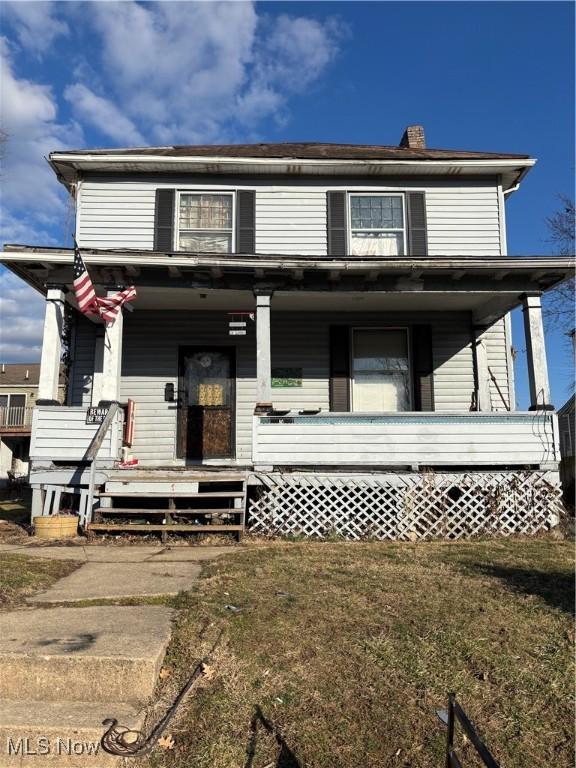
199	72
35	25
103	114
28	115
154	73
21	320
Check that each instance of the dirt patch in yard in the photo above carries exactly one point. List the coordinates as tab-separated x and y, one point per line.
341	654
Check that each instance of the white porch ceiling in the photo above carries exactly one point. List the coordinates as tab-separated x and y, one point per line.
310	301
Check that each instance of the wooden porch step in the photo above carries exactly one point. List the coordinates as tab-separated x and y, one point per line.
134	476
123	511
175	494
189	527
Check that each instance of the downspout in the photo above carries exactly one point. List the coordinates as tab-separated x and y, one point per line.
511	189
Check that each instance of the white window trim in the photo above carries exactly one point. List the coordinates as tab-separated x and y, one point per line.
404	230
230	192
404	328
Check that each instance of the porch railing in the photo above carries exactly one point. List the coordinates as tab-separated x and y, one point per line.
424	438
60	433
15	417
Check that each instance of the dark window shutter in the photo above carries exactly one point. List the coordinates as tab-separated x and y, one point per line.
164	220
417	237
423	367
246	221
336	213
339	368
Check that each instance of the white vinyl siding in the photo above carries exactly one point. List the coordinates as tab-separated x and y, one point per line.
495	340
81	362
462	217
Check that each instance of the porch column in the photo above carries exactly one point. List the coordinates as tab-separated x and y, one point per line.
263	353
98	373
536	353
481	366
112	358
51	348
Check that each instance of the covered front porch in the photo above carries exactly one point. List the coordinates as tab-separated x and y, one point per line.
264	362
305	376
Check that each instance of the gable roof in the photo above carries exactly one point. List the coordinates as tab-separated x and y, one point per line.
303	150
14	374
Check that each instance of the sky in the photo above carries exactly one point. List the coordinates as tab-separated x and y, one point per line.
494	76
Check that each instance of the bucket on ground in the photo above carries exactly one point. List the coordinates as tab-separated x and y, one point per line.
56	527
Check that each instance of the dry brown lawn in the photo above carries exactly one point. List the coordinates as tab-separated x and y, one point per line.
22	576
342	653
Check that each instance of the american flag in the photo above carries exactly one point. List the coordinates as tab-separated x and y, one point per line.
95	306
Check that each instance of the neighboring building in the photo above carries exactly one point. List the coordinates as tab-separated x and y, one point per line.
320	328
18	392
567	429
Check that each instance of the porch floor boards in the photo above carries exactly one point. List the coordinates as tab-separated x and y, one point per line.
176	494
177	474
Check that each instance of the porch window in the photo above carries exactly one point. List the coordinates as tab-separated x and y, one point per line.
380	370
205	222
377	225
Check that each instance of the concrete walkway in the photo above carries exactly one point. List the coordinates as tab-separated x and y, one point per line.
116	572
66	669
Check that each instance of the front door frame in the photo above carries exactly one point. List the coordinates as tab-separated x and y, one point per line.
182	411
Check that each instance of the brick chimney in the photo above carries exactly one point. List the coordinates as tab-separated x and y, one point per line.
413	137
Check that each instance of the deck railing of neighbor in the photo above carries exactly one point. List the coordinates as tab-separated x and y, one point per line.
15	417
61	434
394	439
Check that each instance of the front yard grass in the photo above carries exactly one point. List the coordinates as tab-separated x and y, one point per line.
22	576
342	653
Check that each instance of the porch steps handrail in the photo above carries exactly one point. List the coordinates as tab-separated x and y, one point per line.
98	438
91	456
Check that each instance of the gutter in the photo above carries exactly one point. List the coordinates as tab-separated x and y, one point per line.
21	253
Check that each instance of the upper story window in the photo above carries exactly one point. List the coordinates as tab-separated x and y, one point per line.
377	225
205	222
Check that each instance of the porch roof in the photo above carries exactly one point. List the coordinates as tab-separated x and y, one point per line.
488	286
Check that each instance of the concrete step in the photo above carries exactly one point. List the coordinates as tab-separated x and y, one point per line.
63	734
104	653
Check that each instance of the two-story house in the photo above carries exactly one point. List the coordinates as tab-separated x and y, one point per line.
321	331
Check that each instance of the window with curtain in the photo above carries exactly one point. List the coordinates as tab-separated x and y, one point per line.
205	222
380	370
377	226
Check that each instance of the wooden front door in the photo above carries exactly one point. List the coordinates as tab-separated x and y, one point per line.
206	403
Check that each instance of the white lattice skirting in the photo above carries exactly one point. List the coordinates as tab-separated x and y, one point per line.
406	506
